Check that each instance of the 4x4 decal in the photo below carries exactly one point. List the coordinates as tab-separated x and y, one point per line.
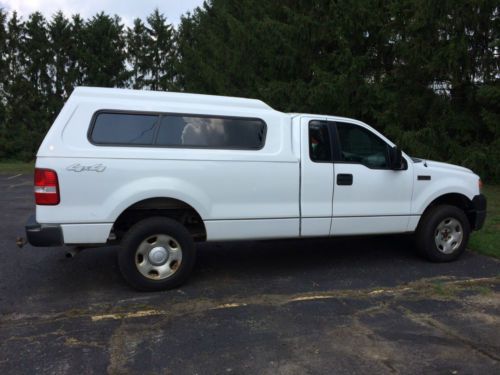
86	168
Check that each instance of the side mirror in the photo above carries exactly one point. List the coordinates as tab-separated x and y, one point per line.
397	162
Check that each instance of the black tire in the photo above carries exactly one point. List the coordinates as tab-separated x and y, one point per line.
149	228
428	230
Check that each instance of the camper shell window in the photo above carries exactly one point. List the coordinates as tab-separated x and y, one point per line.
176	130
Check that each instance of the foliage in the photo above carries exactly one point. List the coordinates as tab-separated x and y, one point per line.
425	73
486	240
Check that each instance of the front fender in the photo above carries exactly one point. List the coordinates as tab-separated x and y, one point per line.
424	196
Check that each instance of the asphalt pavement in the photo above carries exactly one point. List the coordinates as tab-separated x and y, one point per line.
318	306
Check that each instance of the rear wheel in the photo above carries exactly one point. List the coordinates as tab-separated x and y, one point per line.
157	253
443	233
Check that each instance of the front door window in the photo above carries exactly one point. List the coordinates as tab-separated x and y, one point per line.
358	145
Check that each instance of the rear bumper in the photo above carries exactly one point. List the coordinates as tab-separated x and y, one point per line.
43	234
478	212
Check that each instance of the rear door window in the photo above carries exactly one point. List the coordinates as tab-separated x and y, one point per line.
320	149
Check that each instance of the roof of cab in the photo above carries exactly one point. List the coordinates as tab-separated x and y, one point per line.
179	97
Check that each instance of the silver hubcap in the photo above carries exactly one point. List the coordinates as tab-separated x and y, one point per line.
448	235
158	257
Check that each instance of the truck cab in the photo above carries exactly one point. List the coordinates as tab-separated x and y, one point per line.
355	181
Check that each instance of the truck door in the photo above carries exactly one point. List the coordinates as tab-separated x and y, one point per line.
316	176
369	196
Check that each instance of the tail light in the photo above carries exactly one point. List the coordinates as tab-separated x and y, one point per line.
46	187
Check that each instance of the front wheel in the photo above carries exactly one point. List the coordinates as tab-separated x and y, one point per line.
443	233
157	253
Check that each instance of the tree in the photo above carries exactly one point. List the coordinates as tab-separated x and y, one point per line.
36	53
60	33
3	73
160	52
103	56
137	46
15	84
77	54
488	153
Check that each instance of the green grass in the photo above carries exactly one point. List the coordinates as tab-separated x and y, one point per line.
16	167
487	240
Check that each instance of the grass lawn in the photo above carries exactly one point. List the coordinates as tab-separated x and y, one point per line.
16	167
487	240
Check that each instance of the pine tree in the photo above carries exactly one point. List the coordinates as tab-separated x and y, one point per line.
3	75
76	55
61	73
160	52
20	117
59	30
487	154
3	51
103	57
137	45
36	53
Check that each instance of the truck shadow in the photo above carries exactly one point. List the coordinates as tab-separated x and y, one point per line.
288	266
303	255
304	263
246	261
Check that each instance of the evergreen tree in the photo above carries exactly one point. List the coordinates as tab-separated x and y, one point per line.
3	74
37	58
16	86
76	55
160	52
62	75
59	30
487	155
103	57
137	46
27	86
36	54
13	40
3	48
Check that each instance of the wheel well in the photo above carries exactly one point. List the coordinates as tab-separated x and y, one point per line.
457	200
166	207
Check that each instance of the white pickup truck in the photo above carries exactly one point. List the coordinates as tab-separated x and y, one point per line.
156	171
